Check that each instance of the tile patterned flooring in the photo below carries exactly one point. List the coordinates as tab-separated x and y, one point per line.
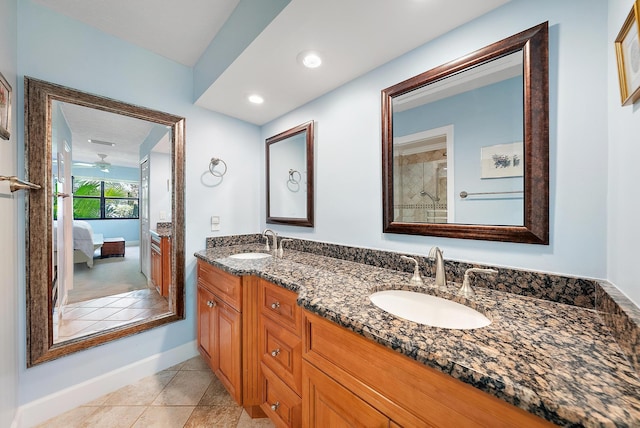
90	316
186	395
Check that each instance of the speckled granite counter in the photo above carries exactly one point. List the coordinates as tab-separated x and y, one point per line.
555	360
162	230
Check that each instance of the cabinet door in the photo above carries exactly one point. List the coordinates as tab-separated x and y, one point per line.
205	322
156	268
227	326
166	265
326	403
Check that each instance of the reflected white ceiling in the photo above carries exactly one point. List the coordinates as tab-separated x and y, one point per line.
353	36
126	133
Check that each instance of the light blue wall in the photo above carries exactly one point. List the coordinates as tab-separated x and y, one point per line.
348	147
11	227
60	50
624	174
482	117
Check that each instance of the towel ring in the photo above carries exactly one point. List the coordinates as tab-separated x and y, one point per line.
293	180
214	162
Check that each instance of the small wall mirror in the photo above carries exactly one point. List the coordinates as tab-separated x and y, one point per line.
110	174
290	176
465	145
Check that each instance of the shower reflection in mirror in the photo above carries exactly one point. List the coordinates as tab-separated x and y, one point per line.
423	179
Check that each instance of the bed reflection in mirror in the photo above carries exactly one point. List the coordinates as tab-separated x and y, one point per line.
109	179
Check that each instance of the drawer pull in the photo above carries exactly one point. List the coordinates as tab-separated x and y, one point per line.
275	305
211	304
275	352
275	406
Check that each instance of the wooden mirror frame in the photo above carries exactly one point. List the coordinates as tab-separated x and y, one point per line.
534	46
38	99
294	221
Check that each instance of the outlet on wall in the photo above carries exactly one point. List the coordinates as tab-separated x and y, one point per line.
215	223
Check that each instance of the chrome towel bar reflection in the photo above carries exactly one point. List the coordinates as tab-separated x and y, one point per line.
464	194
16	184
214	162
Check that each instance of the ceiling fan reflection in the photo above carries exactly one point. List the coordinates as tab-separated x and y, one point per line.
102	165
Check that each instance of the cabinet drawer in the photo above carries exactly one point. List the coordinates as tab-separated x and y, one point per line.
280	403
226	286
280	305
281	351
328	404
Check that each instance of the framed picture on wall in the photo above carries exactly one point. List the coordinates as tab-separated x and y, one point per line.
628	56
5	108
502	160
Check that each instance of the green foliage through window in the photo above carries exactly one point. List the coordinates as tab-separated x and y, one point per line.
95	199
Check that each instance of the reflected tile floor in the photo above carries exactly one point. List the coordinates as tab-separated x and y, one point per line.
186	395
91	316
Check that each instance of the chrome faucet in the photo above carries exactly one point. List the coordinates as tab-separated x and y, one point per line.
275	239
441	277
467	290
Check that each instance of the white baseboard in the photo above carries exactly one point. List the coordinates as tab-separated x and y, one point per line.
44	408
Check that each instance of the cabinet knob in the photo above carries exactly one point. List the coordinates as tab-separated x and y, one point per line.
275	406
275	305
211	304
275	352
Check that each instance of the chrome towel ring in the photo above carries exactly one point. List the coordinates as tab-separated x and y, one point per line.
292	176
212	165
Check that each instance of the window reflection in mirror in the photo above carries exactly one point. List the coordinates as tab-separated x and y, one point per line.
100	233
463	133
289	157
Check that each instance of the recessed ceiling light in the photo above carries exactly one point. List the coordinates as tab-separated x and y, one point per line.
310	59
256	99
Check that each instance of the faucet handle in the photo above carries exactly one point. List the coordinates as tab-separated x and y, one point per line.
416	278
281	249
467	290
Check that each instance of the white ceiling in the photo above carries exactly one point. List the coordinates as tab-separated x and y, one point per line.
353	36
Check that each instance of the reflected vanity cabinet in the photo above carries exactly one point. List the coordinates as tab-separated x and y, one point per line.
219	306
161	263
280	354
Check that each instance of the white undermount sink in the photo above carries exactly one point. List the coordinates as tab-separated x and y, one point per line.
250	256
430	310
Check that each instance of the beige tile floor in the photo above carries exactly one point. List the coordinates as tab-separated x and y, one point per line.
186	395
90	316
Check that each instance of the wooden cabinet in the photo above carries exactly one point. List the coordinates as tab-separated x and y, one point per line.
280	347
303	370
220	326
329	404
161	263
408	392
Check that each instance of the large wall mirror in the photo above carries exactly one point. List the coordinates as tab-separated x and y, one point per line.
111	173
465	145
290	176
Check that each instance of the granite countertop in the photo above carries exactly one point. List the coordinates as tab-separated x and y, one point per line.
555	360
162	231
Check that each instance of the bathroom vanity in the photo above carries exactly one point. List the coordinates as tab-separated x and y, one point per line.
325	353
